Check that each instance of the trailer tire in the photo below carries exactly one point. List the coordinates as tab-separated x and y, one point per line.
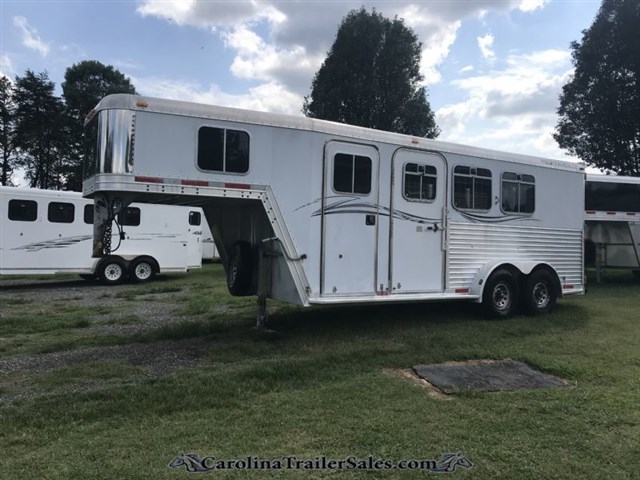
240	269
112	270
539	292
500	296
142	269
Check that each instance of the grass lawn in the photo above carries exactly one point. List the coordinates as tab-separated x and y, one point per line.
324	384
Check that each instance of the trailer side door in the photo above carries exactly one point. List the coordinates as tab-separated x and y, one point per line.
418	195
349	219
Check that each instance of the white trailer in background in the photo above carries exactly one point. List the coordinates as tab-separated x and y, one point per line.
209	250
612	222
47	232
317	213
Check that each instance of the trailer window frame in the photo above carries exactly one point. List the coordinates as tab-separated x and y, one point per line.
475	175
520	179
359	176
22	210
219	155
610	196
421	173
61	212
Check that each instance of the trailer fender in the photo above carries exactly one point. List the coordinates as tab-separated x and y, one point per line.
522	268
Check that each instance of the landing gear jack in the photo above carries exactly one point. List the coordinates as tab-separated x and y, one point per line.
264	275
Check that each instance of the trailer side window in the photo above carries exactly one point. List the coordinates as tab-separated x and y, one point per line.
471	188
612	197
351	173
23	210
60	212
195	218
518	193
130	217
88	214
223	150
419	182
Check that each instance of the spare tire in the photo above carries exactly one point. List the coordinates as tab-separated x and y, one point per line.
240	269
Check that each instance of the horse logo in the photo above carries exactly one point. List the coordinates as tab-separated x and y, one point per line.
449	461
191	462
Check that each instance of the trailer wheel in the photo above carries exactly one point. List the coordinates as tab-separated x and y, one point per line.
500	294
112	270
539	293
142	269
240	269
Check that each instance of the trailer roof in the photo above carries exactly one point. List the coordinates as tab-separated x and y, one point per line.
37	192
177	107
595	177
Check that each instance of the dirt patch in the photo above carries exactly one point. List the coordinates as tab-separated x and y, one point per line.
153	360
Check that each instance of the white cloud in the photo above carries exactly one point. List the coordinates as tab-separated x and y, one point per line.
510	108
285	42
267	97
466	69
30	37
531	5
485	43
6	67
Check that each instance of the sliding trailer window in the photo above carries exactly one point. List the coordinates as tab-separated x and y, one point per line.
419	182
223	150
352	174
518	193
471	188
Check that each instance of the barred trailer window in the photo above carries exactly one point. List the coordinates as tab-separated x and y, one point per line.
518	193
419	182
471	188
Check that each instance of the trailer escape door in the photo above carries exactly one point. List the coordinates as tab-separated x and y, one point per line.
418	193
349	219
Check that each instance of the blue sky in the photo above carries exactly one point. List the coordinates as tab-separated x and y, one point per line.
494	68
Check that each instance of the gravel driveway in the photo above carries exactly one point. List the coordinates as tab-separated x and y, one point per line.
152	359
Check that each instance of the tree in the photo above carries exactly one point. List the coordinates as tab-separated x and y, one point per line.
8	154
39	130
85	84
371	77
600	106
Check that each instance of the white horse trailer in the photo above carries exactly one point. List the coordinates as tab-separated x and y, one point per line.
209	250
612	222
315	213
47	232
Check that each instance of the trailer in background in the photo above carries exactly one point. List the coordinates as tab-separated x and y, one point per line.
319	213
612	223
47	232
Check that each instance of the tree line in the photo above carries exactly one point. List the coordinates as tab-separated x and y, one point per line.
370	77
43	134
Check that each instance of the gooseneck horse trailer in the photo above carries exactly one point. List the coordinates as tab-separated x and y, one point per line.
316	213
